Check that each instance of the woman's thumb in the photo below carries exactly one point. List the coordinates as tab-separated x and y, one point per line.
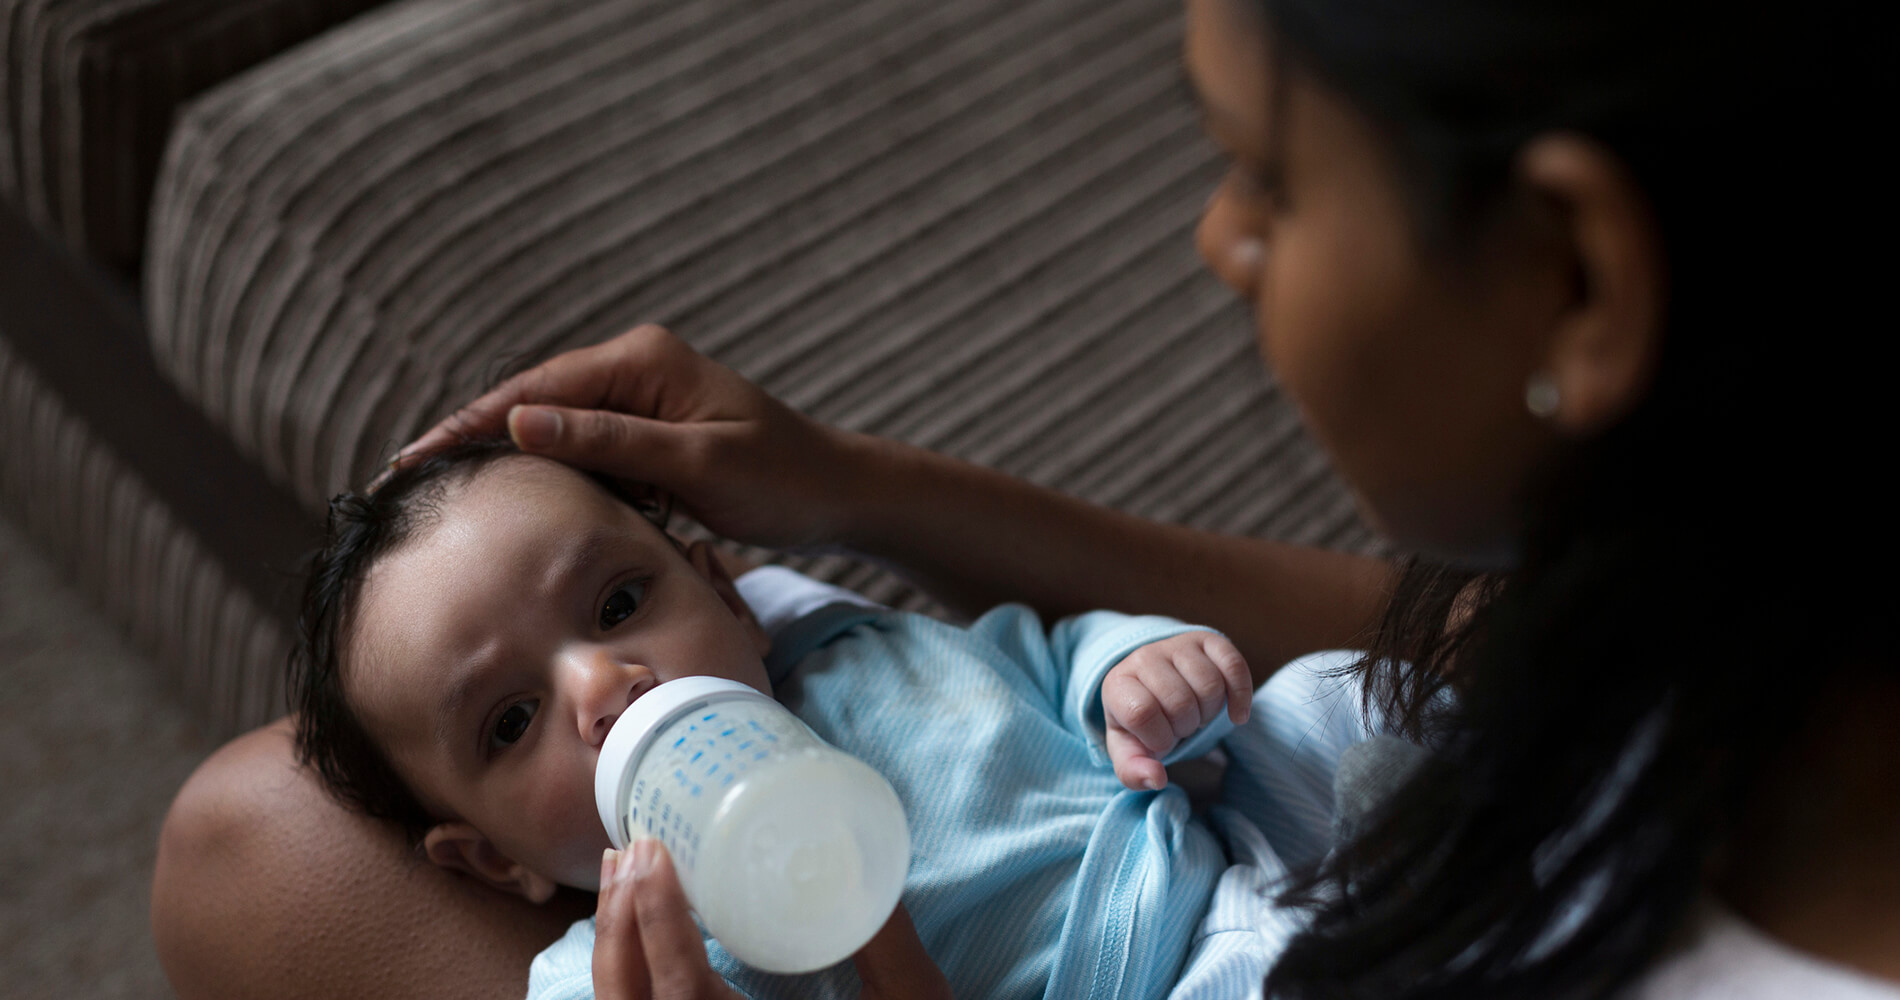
600	440
895	965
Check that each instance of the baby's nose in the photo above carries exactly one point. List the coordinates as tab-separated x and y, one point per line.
605	686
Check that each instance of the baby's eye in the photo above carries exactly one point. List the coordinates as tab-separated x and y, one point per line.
512	724
622	603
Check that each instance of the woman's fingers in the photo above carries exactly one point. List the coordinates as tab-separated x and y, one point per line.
624	374
620	963
895	966
675	953
575	378
647	947
646	407
630	447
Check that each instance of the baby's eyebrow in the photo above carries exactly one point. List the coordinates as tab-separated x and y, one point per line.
449	709
569	558
576	553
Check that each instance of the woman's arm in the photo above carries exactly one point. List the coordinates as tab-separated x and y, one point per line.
265	886
647	407
975	537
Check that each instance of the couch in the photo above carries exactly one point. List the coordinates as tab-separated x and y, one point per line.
249	248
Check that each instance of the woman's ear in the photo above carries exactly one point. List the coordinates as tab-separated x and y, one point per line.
460	847
707	562
1604	348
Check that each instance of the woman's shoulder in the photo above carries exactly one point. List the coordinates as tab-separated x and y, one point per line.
1724	957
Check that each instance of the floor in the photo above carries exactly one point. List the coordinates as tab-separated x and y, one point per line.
92	747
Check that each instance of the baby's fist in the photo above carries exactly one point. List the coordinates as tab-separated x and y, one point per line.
1163	693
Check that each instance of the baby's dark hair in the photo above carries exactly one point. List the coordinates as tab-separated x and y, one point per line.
361	529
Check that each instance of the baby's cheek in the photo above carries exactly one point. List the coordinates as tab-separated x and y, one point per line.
567	834
583	838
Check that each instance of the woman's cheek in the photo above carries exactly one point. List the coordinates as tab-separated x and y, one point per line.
1310	334
1292	344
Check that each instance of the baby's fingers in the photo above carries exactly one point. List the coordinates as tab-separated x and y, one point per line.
1232	667
1134	765
1152	705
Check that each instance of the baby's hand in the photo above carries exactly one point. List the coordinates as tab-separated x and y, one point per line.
1163	693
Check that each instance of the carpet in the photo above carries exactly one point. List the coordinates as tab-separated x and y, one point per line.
92	748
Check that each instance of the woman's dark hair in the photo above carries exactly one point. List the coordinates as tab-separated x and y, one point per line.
362	528
1688	580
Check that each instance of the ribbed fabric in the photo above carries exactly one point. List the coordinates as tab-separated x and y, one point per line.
90	88
1034	872
1277	800
128	551
1244	931
965	224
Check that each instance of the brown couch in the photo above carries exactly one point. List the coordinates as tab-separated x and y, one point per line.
248	248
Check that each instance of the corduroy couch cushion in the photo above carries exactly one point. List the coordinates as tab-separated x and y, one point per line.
89	89
963	223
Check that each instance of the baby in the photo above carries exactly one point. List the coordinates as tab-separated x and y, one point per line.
478	621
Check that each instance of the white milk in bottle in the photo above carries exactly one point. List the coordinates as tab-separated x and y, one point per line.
792	852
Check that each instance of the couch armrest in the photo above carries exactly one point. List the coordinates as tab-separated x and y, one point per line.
89	89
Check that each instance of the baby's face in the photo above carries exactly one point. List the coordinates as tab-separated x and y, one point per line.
491	653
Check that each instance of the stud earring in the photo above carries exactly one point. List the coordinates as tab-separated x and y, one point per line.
1246	254
1541	396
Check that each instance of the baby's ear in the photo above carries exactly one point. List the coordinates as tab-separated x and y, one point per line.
460	847
706	561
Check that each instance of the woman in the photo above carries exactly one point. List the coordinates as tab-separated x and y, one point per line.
1566	289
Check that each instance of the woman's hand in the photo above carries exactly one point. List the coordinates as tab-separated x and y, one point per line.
647	408
646	946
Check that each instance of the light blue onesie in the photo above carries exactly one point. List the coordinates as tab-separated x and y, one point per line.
1034	872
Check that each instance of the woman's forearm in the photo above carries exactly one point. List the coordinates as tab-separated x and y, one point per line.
974	537
647	408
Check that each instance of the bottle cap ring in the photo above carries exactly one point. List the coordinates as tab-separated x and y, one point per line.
635	729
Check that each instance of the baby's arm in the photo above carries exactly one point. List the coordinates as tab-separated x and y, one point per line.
1164	692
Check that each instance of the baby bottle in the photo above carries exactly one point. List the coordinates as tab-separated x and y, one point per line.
792	853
